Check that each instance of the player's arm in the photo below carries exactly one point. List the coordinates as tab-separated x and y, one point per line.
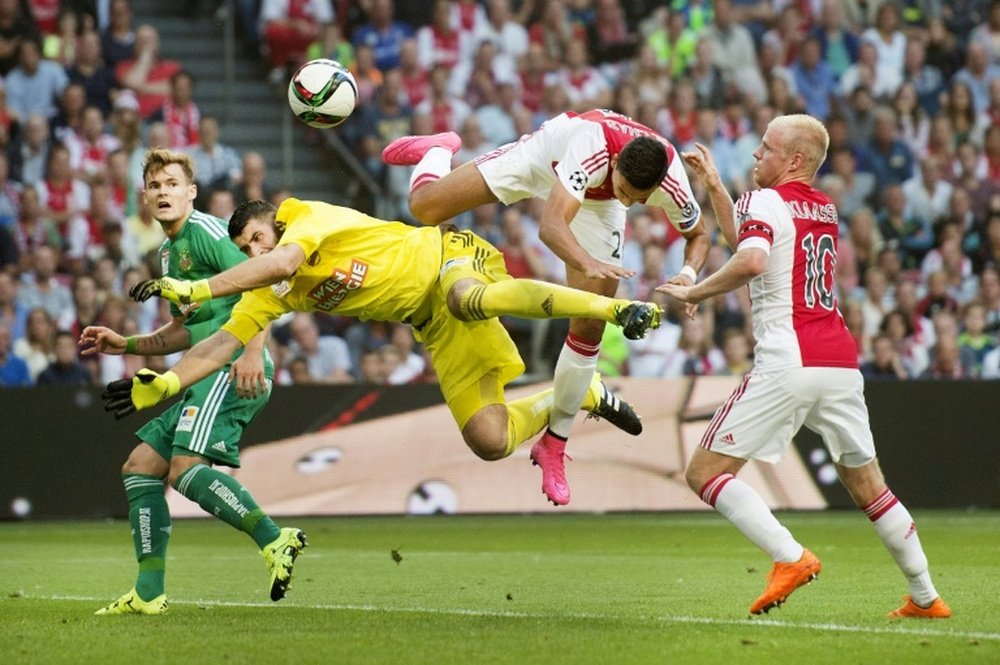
247	371
696	245
270	268
744	265
553	230
148	388
168	339
701	163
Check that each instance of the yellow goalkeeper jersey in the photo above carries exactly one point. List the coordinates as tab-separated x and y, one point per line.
355	265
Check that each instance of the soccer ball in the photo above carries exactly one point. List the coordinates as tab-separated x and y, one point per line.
322	93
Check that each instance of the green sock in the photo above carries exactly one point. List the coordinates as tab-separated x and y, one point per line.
150	519
225	497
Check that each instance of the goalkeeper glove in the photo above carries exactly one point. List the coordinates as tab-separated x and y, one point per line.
177	291
145	389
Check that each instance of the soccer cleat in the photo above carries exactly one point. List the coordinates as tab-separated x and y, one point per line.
784	579
131	603
409	150
910	610
548	454
636	318
614	409
280	557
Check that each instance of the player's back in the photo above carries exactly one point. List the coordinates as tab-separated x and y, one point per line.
794	306
358	265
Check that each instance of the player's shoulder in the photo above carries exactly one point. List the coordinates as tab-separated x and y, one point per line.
209	227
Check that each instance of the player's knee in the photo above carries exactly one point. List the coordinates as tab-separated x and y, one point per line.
693	477
488	448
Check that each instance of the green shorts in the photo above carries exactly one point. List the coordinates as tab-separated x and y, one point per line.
208	421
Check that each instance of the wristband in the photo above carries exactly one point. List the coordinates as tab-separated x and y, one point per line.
689	271
131	344
200	291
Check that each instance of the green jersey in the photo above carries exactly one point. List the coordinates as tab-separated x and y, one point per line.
202	249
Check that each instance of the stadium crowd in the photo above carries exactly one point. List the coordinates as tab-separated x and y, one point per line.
908	89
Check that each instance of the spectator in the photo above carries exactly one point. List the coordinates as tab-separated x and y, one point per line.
65	199
885	364
787	34
989	295
888	158
440	42
445	111
476	80
877	301
702	358
383	34
912	355
886	36
911	236
734	51
946	363
13	313
289	27
475	143
179	112
927	194
32	230
118	39
253	185
65	368
144	232
412	364
914	123
37	347
91	148
34	84
657	353
13	370
859	187
386	119
216	164
61	45
40	288
328	356
367	76
673	42
988	34
413	76
974	342
838	45
927	80
880	79
814	80
554	31
147	74
977	74
89	71
16	26
221	203
708	79
967	123
502	28
610	40
738	352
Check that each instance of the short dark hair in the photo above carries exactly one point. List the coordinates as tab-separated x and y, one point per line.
245	212
643	162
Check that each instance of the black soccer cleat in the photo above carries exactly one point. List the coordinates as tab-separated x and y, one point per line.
617	411
638	317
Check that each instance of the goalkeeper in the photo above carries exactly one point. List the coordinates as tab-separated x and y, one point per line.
204	428
449	285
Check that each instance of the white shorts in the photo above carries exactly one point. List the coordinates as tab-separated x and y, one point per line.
762	415
515	172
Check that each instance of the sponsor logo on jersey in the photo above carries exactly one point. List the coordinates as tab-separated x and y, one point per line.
331	291
452	263
578	181
186	422
281	288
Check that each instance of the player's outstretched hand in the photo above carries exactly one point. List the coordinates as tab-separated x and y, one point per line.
177	291
145	389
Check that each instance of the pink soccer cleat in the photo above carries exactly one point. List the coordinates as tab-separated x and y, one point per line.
409	150
548	454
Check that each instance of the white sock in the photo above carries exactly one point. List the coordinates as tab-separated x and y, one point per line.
742	506
896	528
435	163
573	373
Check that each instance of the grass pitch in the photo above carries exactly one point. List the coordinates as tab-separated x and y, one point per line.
565	589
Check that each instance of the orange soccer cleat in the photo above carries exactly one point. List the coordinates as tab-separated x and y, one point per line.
910	610
784	579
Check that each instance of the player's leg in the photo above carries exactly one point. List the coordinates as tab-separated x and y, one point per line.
143	476
757	420
209	433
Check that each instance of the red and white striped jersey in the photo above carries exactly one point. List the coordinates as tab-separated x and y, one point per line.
794	307
581	147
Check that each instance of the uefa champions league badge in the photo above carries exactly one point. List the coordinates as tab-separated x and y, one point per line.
450	264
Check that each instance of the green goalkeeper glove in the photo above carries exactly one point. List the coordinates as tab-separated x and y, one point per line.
177	291
145	389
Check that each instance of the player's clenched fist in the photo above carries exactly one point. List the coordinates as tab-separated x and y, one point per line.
177	291
145	389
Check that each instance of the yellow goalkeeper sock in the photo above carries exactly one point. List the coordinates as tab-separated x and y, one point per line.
526	417
530	299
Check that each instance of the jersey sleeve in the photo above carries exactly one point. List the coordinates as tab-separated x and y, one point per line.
753	213
675	198
295	216
253	312
585	163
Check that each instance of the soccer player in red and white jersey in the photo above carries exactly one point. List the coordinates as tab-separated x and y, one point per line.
805	364
590	168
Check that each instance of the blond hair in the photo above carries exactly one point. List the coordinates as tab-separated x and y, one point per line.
807	136
158	159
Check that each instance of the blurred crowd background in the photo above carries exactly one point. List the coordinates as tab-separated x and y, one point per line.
909	90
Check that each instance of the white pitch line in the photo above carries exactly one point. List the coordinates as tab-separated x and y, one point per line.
708	621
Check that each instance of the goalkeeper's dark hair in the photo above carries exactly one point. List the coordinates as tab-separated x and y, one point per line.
643	162
245	212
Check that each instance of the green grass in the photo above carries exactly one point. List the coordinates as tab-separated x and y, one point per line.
560	589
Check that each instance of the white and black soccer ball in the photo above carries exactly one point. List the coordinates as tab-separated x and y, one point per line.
322	93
